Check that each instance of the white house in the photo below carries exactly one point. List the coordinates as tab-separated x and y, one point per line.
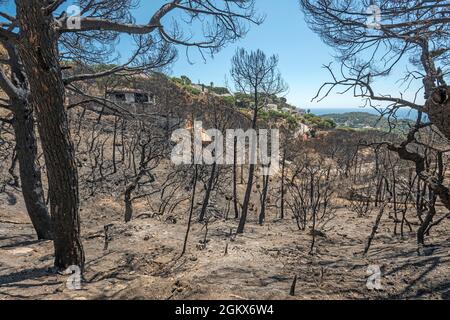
271	106
131	96
287	110
134	100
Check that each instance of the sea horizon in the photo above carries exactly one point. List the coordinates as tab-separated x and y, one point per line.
402	113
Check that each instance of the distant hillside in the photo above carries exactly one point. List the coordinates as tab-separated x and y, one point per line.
365	120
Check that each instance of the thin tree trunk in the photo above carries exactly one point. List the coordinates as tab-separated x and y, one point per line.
191	210
114	145
12	169
235	196
208	193
248	192
394	194
428	219
294	283
251	172
242	174
128	201
314	214
375	228
262	215
283	171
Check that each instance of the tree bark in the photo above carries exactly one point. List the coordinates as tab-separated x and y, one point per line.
191	210
314	203
283	171
114	146
30	174
12	170
438	109
235	196
248	193
26	152
251	172
38	49
428	219
208	193
262	215
128	201
375	227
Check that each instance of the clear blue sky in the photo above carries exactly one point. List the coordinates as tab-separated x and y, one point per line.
284	32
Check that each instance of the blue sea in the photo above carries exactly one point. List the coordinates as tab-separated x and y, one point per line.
402	113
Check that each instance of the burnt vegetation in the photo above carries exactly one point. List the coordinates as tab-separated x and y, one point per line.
70	138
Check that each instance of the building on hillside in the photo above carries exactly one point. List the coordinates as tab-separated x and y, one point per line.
223	95
271	107
299	111
293	111
134	100
211	90
131	96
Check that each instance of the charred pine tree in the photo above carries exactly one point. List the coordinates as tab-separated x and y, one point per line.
262	214
255	74
235	195
26	149
282	183
375	227
208	193
191	209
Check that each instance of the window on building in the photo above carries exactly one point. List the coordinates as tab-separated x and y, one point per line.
120	97
141	97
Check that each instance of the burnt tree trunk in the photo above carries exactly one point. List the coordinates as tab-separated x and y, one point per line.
283	171
30	173
128	200
251	172
394	195
114	145
26	153
38	49
438	109
248	192
314	203
235	196
425	223
375	228
262	214
12	170
191	210
208	193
